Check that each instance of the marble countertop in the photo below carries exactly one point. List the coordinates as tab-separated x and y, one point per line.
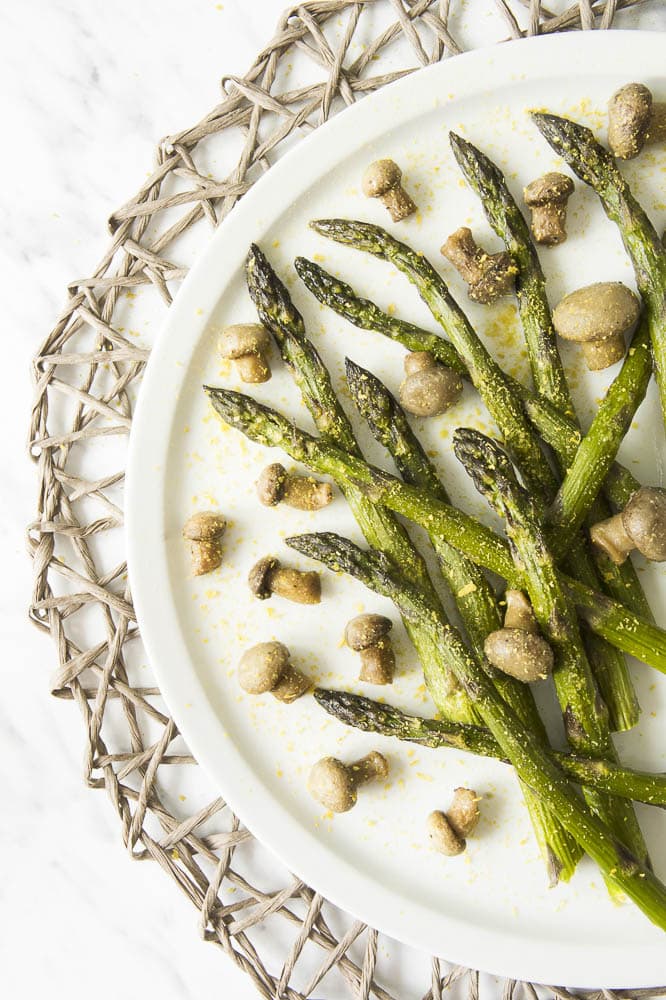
89	88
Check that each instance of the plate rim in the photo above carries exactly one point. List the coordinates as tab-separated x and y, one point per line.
499	950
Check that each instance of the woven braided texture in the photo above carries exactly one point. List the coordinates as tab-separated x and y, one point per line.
86	377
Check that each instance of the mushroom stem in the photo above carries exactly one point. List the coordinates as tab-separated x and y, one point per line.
641	525
519	612
306	493
378	663
549	223
369	768
398	203
611	537
291	685
489	276
600	354
295	584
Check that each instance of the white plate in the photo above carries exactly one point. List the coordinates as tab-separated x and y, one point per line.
489	908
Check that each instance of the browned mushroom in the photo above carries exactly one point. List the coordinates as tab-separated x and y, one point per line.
641	525
275	485
247	344
634	120
204	531
547	198
382	180
266	667
448	831
489	276
335	785
517	649
598	316
268	577
429	388
369	636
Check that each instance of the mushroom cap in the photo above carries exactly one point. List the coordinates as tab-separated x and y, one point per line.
551	187
261	666
243	338
523	655
204	526
596	312
379	177
332	784
464	813
257	578
270	484
644	520
629	116
442	835
366	630
431	391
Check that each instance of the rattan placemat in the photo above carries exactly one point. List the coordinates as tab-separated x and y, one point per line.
282	933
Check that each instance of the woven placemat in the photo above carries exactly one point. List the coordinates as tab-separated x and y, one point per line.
278	930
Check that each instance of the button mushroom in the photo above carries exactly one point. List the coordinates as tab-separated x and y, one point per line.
634	120
547	199
247	344
429	388
268	577
448	831
335	784
518	649
275	485
598	316
489	276
204	532
382	180
369	636
641	525
266	667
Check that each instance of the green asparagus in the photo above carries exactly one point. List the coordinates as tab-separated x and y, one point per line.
517	743
487	377
608	618
585	715
598	168
381	528
577	496
561	433
378	717
471	591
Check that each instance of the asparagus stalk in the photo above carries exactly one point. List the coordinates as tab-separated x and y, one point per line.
487	377
487	180
585	715
558	431
597	167
561	433
378	717
531	761
471	591
380	527
584	476
608	618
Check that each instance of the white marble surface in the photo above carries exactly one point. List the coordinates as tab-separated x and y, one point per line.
88	89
